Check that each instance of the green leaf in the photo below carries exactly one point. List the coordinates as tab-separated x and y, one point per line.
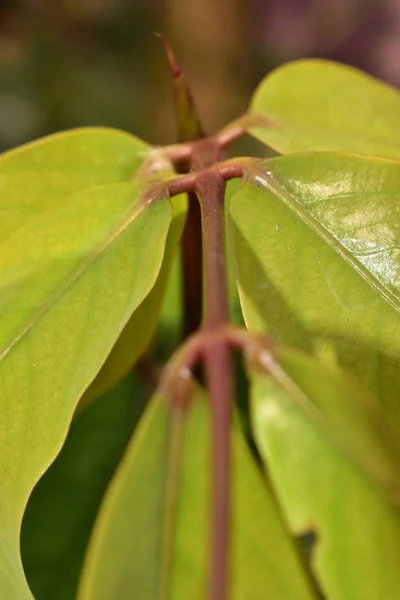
321	491
63	506
72	273
344	413
41	176
312	105
141	327
151	539
315	240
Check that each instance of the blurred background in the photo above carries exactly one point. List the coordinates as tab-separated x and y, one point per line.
69	63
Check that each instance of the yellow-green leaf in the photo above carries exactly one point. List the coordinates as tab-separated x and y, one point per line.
63	506
40	176
312	105
321	490
140	328
81	249
151	540
316	248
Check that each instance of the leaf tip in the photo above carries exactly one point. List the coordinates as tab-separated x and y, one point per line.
173	63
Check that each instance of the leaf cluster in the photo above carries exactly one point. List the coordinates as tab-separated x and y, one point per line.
90	232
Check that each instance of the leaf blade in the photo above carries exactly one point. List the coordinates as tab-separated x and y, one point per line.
313	105
142	324
301	270
39	175
320	490
63	506
186	561
59	316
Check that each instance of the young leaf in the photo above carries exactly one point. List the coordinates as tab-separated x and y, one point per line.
312	105
151	539
315	240
79	254
320	489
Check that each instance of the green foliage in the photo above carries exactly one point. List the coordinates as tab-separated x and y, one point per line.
312	105
321	489
60	316
64	504
159	497
138	331
316	242
91	226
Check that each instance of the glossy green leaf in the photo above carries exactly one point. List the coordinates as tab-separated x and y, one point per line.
63	506
356	554
71	275
313	105
315	241
151	539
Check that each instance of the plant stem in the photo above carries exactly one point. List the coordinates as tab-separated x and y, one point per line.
218	370
228	170
210	187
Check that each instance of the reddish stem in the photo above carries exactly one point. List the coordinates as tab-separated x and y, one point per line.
210	187
208	180
218	370
185	184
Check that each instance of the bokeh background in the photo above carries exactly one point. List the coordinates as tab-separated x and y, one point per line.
69	63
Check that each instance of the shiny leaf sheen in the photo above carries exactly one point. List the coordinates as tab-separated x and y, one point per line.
315	241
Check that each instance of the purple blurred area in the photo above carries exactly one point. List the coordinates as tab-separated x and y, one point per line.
362	33
71	63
